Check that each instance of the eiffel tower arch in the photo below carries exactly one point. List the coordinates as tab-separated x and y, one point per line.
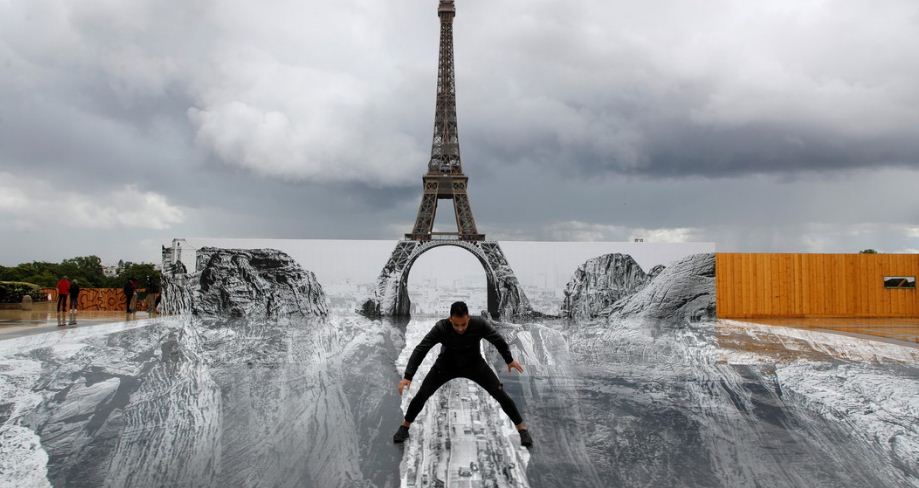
445	180
505	296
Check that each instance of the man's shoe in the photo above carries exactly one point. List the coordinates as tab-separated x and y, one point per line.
400	435
525	439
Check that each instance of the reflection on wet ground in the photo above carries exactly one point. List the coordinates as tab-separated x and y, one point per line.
902	329
313	402
16	323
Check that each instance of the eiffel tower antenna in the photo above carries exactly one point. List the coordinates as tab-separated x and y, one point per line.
445	179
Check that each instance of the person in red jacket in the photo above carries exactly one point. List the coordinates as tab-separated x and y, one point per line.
63	290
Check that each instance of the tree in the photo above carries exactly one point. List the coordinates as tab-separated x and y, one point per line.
37	272
86	269
868	251
145	274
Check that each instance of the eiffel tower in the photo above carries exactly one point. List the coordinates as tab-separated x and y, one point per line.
445	180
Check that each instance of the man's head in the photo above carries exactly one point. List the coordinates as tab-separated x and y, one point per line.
459	317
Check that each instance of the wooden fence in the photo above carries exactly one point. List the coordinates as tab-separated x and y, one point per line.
813	285
102	299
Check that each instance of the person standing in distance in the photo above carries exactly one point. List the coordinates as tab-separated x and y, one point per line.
63	291
459	357
128	290
74	300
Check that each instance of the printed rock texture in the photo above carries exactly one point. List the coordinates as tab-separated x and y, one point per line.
684	291
599	283
245	283
614	285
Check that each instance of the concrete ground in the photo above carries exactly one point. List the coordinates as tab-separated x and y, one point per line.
899	329
44	318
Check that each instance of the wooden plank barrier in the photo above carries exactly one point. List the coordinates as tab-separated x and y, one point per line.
101	299
813	285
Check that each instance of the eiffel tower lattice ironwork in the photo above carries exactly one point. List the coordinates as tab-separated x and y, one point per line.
445	179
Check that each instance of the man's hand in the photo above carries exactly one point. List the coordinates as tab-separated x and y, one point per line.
403	385
514	365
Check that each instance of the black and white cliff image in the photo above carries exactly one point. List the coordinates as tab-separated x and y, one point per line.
249	283
614	285
599	283
685	290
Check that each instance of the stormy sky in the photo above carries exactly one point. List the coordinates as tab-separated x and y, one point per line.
789	125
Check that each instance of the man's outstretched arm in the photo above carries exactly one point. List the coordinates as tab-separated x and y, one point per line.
421	350
493	336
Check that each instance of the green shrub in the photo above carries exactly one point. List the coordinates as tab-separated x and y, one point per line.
13	291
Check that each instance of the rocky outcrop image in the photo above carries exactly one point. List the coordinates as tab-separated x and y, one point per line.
177	293
600	282
614	285
684	291
249	283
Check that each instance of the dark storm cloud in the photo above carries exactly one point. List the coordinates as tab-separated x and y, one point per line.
682	88
762	148
680	147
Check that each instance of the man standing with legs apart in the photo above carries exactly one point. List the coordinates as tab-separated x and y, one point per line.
459	357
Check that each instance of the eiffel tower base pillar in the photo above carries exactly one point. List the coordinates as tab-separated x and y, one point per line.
506	298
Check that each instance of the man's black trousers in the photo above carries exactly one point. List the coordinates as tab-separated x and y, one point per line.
477	371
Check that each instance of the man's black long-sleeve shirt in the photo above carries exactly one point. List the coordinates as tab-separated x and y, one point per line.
457	349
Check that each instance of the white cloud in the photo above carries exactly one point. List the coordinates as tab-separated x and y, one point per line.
397	229
754	236
574	230
11	199
680	234
29	203
831	237
578	231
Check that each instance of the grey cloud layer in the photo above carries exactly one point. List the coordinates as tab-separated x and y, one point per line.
342	92
582	118
682	88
